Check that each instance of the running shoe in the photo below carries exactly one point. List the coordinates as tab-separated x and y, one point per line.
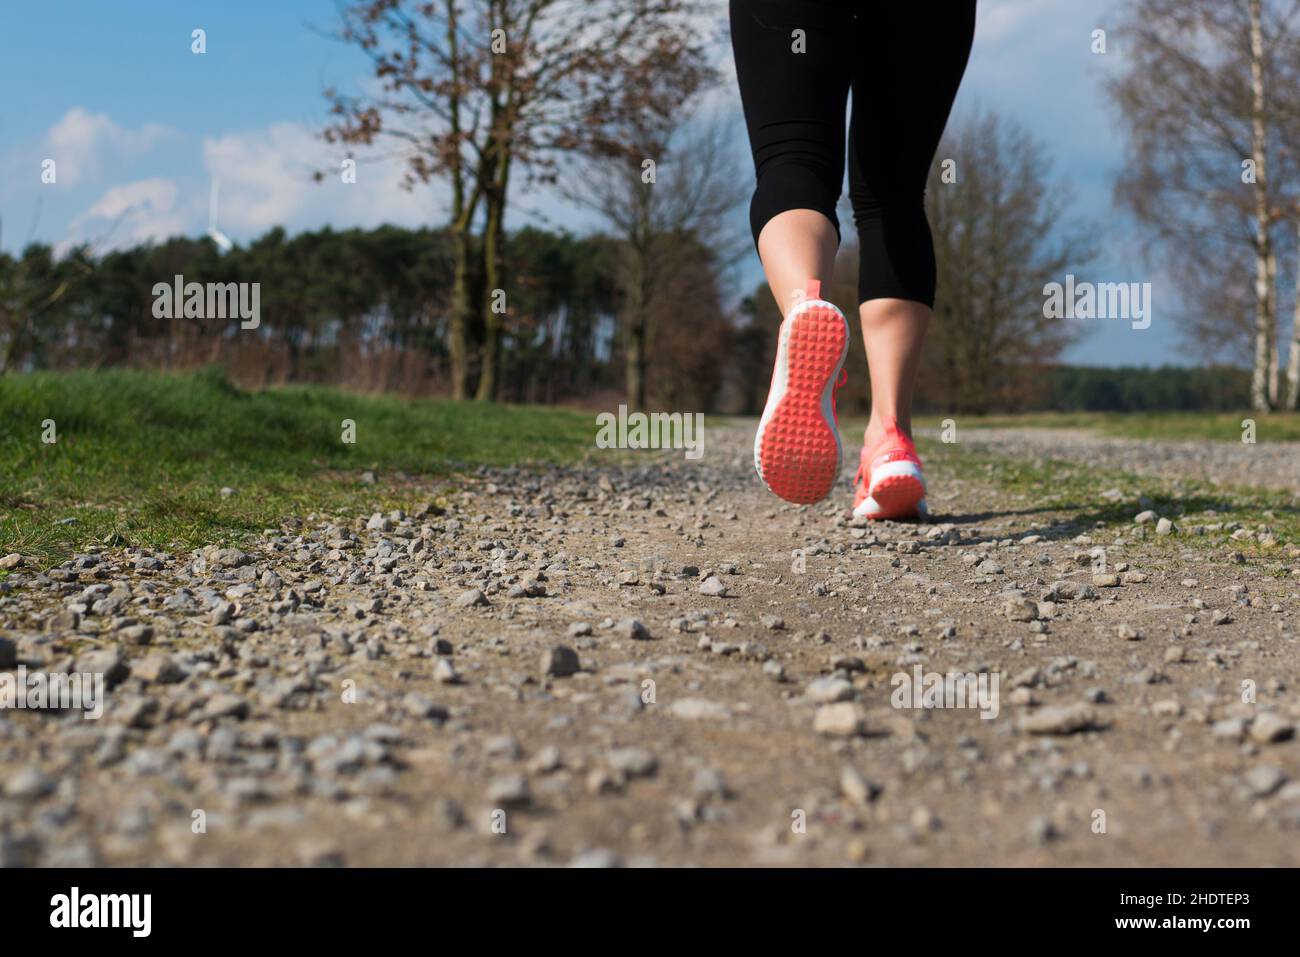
797	451
890	483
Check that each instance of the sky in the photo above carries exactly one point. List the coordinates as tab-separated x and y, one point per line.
139	126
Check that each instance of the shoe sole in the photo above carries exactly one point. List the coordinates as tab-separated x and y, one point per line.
797	451
897	491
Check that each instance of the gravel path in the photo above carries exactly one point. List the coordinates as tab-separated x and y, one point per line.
660	665
1264	464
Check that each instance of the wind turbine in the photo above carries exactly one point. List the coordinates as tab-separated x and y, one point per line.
221	239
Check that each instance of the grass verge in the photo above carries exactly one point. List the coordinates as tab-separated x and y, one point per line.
1164	426
141	458
1107	500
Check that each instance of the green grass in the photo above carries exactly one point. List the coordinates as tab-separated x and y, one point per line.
1074	488
1220	426
141	458
1073	491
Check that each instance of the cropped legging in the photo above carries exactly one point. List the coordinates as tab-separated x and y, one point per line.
796	61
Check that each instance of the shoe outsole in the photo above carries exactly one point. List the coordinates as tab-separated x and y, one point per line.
797	450
898	496
897	491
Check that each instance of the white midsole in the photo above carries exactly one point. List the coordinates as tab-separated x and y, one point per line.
781	373
895	469
869	506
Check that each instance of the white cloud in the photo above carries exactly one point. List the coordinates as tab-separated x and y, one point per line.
265	177
131	213
997	20
83	143
266	180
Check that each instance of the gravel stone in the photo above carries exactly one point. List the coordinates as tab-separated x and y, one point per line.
509	791
470	598
843	720
632	629
1269	728
1059	719
560	662
829	690
634	762
713	587
1020	609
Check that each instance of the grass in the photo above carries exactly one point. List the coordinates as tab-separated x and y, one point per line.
1220	426
141	458
1075	489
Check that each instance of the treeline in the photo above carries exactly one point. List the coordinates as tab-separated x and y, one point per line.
361	309
367	310
1138	389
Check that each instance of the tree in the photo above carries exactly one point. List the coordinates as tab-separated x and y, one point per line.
474	90
1207	173
668	200
31	288
1000	238
562	304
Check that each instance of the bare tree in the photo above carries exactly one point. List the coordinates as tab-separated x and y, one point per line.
999	239
473	89
1263	385
1206	175
670	195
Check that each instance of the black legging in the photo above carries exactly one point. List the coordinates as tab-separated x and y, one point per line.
904	60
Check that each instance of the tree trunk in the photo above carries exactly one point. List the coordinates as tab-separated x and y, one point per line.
1292	401
496	164
1274	358
640	289
16	347
462	213
487	380
461	313
494	279
634	347
1265	322
642	275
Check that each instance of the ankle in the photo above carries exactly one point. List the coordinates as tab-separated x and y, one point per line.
876	426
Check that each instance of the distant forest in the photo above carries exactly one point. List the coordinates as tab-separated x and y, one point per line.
365	310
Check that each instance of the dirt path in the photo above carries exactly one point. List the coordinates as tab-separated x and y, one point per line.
380	695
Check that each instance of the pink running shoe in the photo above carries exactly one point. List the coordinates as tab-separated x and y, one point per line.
797	451
890	483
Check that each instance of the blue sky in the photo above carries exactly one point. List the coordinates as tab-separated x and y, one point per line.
139	126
